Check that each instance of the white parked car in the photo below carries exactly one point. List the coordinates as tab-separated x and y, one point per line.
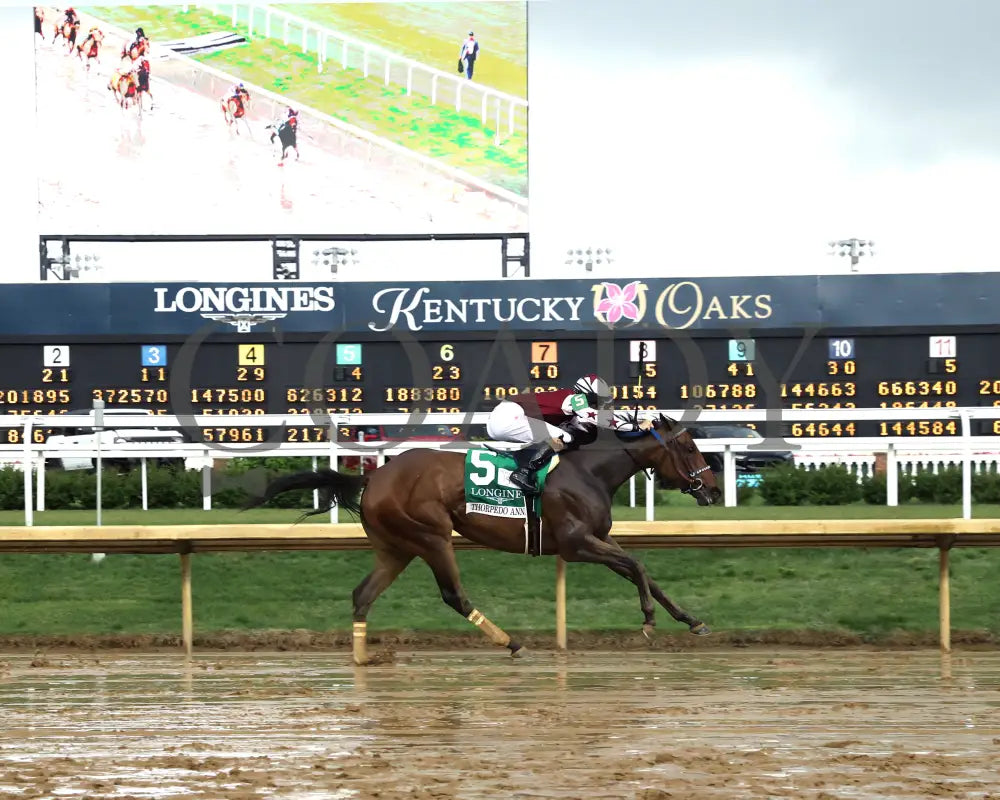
110	437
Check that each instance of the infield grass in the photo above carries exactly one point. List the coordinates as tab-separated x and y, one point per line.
421	31
865	591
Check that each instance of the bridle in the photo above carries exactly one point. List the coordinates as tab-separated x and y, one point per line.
695	483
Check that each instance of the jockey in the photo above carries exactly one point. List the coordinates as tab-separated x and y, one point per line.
564	417
70	16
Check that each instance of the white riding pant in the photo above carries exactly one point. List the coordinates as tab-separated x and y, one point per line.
508	423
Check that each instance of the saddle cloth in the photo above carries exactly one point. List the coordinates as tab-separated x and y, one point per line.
488	489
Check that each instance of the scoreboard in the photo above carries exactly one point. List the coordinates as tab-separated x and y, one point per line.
236	378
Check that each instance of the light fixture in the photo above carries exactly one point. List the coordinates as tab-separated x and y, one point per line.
855	248
333	258
588	257
59	262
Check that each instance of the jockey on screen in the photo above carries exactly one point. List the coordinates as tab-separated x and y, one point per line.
70	16
563	417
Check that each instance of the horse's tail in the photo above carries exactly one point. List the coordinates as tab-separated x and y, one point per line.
335	488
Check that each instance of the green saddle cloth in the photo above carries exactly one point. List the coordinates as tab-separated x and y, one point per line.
488	489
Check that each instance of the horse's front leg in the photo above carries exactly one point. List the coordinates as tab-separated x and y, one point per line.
584	546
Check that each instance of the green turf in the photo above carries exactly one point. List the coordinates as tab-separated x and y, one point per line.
866	591
459	139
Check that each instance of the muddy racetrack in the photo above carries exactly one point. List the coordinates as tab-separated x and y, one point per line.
751	723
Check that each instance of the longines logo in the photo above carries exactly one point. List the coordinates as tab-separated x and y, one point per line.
244	306
678	305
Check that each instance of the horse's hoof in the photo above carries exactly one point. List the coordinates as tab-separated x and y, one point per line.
700	629
520	652
647	631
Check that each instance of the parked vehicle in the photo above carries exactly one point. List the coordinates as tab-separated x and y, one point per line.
109	437
392	433
750	461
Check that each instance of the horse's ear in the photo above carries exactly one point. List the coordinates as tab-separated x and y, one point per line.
664	421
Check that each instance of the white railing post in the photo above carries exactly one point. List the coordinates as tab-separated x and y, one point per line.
409	79
650	497
249	20
511	122
267	23
315	464
891	476
305	38
284	33
206	484
966	465
343	54
631	492
236	15
40	488
364	61
144	483
29	509
332	435
729	476
434	90
388	68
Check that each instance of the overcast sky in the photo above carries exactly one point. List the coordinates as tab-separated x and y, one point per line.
742	136
738	137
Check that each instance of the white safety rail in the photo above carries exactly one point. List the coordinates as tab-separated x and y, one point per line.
959	449
507	111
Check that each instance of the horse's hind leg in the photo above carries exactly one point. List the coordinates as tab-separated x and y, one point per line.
599	551
388	566
443	564
695	625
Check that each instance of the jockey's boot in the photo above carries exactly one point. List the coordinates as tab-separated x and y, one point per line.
529	460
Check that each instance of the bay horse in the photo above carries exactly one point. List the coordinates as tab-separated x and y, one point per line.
410	506
90	47
68	31
285	133
234	108
124	86
134	49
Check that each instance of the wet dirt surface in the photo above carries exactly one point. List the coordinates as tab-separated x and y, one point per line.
754	723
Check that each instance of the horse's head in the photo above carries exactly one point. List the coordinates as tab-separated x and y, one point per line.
666	446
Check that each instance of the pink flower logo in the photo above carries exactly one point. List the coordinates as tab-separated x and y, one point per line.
618	302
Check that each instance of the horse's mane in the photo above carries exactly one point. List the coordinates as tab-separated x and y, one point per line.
632	417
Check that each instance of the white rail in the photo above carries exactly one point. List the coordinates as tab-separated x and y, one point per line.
439	86
962	449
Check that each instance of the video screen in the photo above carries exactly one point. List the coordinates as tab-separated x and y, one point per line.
341	118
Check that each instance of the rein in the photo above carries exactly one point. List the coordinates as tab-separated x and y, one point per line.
696	483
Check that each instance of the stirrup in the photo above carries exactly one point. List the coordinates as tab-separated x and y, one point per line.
522	474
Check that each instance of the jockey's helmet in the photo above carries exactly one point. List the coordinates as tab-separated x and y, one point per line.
139	32
597	390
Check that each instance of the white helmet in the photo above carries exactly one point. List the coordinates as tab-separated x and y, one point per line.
597	390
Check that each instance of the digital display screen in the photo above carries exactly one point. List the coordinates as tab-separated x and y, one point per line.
232	379
304	118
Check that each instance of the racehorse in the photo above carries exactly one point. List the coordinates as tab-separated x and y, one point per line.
142	83
135	49
68	31
410	506
285	131
124	87
234	108
91	47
